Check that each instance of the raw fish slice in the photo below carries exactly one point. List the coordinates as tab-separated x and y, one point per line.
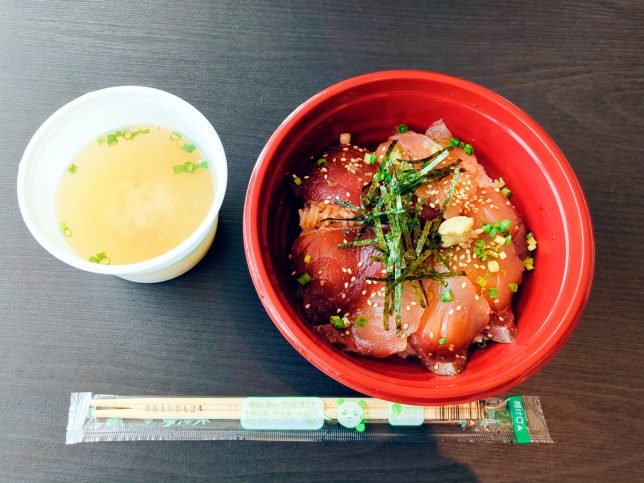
492	207
510	271
466	188
372	339
439	133
342	176
448	328
412	145
501	326
338	276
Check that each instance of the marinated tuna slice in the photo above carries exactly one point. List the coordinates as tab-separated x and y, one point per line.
412	145
439	133
493	207
455	316
341	175
501	326
363	330
493	266
330	280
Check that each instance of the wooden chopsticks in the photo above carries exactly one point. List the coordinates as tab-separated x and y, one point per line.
230	408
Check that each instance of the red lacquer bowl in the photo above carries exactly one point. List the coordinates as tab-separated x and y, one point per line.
508	143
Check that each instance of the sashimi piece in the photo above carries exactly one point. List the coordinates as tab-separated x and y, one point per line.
338	276
465	190
497	287
342	176
372	339
439	133
491	207
448	328
411	144
501	326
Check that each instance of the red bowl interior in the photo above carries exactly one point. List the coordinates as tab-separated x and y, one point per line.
509	144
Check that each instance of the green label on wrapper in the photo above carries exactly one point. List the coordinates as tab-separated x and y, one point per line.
405	415
519	422
296	413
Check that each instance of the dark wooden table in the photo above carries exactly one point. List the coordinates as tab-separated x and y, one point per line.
576	68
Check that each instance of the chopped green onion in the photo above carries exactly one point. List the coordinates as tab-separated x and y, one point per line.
370	158
506	192
189	147
531	242
468	149
303	279
297	180
361	321
481	281
72	168
504	225
528	263
337	322
493	266
111	139
321	162
480	243
65	230
483	344
447	296
403	128
101	258
202	164
144	131
128	135
493	292
307	259
101	140
442	340
508	239
461	144
454	142
513	287
175	136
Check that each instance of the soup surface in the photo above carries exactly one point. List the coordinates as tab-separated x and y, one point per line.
133	194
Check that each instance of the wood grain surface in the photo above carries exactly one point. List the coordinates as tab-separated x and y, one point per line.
576	67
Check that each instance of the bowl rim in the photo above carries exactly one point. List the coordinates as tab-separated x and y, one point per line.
569	307
93	98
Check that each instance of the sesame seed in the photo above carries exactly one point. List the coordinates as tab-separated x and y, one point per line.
501	319
344	295
451	312
349	271
436	366
346	284
364	292
476	297
338	311
307	306
464	284
496	301
353	279
359	264
414	303
408	308
458	307
431	334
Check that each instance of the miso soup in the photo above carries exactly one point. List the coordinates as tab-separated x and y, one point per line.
133	194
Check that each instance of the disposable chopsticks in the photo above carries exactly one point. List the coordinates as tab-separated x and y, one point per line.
227	408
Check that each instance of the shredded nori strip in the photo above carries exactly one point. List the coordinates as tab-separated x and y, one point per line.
404	240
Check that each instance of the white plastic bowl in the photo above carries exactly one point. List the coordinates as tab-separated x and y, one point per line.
61	136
